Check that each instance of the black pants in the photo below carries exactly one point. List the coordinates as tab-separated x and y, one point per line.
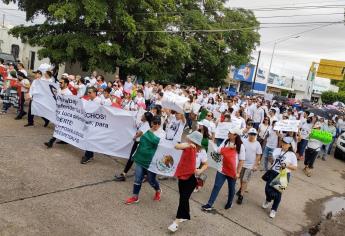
21	105
186	188
88	154
31	117
310	156
130	160
147	104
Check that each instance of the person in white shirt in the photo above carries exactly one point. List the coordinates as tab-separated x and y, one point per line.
142	128
271	144
48	76
312	151
106	98
251	162
116	91
212	127
128	84
80	87
282	158
222	130
24	84
21	68
259	115
326	149
147	94
175	127
304	133
63	90
251	108
341	125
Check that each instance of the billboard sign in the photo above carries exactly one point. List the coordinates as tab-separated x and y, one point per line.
330	69
245	73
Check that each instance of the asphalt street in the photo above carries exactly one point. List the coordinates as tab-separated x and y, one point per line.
48	192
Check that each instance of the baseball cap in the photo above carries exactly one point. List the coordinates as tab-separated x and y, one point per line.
287	140
252	131
311	115
65	75
235	131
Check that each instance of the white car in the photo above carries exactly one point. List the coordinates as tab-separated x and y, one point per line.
339	152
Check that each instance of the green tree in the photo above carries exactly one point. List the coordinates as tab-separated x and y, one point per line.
175	41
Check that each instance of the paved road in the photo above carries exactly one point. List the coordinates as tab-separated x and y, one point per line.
47	192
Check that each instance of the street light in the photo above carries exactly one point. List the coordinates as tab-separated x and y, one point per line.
274	48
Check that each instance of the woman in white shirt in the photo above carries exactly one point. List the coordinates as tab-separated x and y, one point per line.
312	151
271	144
80	87
283	157
142	127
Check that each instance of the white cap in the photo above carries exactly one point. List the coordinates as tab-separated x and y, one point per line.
252	131
287	140
311	115
204	122
234	130
65	75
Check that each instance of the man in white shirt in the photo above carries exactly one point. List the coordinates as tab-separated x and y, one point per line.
128	84
147	94
251	163
259	115
175	127
106	99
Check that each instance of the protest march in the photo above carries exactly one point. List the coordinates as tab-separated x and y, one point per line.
176	132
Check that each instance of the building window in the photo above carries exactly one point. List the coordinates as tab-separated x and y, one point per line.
32	60
15	51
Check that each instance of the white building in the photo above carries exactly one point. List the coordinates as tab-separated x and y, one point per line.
22	52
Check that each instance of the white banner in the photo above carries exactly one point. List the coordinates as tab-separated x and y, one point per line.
174	102
86	124
44	99
287	125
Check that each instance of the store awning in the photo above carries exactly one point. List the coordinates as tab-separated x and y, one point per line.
280	87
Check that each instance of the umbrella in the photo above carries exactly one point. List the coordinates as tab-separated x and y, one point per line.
338	104
333	112
320	112
280	98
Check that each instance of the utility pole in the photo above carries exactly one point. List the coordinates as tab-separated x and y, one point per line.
256	70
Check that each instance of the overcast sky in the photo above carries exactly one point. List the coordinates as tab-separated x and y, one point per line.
293	56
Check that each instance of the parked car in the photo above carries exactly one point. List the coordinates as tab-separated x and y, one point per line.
339	152
8	58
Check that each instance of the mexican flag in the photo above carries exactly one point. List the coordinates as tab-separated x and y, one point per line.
160	156
223	159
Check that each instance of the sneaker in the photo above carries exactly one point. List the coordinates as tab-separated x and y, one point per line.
46	123
120	178
28	125
240	200
273	214
173	227
157	196
228	206
49	144
238	193
207	207
265	205
182	220
163	177
85	160
132	200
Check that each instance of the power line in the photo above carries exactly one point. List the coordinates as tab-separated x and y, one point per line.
306	15
299	3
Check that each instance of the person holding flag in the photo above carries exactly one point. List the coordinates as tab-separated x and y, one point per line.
143	157
186	171
232	153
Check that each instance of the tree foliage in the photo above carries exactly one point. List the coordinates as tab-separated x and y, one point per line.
178	41
331	97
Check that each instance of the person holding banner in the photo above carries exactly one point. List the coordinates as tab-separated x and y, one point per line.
64	90
24	85
187	169
142	128
142	158
232	153
281	156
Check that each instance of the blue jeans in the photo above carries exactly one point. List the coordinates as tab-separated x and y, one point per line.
266	154
189	121
301	146
138	179
218	184
256	125
219	141
273	194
